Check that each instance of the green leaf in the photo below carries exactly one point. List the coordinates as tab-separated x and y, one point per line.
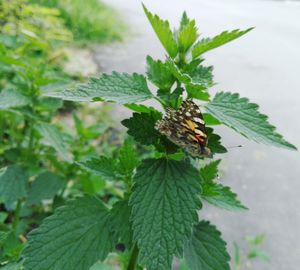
54	138
244	117
140	108
118	87
12	266
187	34
210	171
102	266
163	32
184	21
217	194
45	186
75	236
185	78
221	196
202	75
141	127
159	74
237	254
197	93
206	250
13	183
164	208
102	166
210	120
208	44
10	98
120	222
214	142
128	158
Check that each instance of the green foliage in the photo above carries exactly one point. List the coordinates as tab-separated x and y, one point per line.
101	166
215	193
141	127
45	186
79	235
164	208
244	117
163	32
120	88
13	181
144	193
120	222
208	44
159	74
53	137
90	20
206	249
253	252
187	34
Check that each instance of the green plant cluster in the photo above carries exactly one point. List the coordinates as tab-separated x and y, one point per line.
37	146
88	20
157	188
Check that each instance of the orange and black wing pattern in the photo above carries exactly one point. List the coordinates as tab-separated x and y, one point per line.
186	128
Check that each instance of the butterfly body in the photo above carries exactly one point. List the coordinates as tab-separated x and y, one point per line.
186	128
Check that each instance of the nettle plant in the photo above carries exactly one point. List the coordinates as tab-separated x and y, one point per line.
155	218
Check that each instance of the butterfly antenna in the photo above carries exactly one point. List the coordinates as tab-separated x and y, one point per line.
235	146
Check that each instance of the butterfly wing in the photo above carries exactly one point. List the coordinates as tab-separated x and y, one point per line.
186	128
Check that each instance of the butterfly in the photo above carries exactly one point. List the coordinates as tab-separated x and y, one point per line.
186	128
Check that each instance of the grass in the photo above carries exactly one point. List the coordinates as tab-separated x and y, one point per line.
88	20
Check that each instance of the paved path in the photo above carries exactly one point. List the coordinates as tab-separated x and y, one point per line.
264	66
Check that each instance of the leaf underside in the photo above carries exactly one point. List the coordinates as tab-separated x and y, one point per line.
117	87
244	117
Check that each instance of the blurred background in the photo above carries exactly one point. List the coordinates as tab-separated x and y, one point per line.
263	65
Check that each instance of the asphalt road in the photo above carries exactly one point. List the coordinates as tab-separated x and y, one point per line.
264	66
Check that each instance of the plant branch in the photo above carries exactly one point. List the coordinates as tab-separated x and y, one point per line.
17	216
133	258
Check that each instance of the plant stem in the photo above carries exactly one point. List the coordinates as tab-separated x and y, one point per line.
17	216
133	258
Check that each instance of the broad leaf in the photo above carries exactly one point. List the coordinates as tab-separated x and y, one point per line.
164	208
184	21
163	32
102	166
10	98
102	266
187	34
12	266
120	223
210	171
13	183
159	74
45	186
202	75
141	127
121	88
210	120
140	108
54	138
185	78
206	250
128	158
74	237
244	117
221	196
208	44
214	142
